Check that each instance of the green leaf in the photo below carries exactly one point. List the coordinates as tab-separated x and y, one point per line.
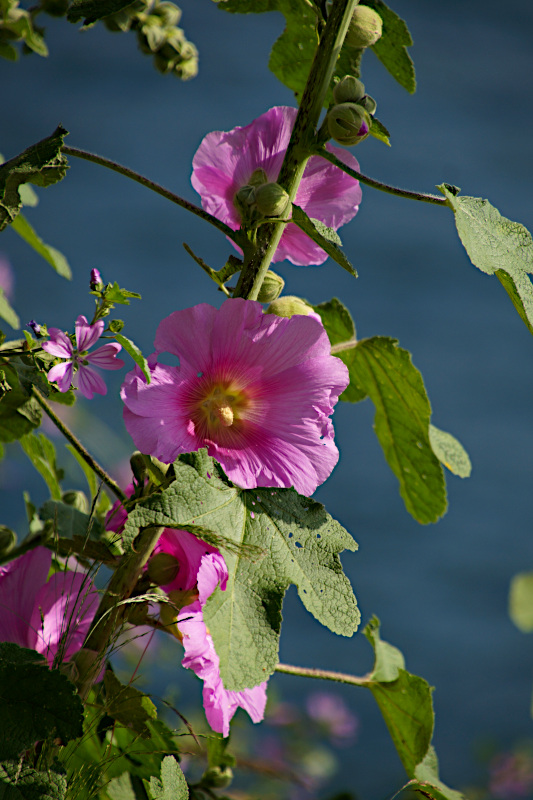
172	785
58	261
27	195
337	321
92	10
19	414
132	350
35	702
428	782
521	601
379	131
121	788
280	538
384	371
20	782
114	294
41	164
325	237
6	311
8	51
42	455
391	49
403	699
69	522
450	452
128	705
497	246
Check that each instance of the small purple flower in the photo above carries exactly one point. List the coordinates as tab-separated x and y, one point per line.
226	161
255	389
50	616
36	328
96	278
76	366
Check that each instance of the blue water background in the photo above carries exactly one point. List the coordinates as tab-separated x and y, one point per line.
440	591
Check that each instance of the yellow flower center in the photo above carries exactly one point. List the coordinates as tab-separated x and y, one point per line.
221	406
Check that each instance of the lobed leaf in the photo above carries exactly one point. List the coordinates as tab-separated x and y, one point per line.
391	48
41	164
337	321
172	785
279	538
35	702
325	237
20	782
497	246
56	259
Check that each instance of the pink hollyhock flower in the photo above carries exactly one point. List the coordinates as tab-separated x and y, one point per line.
202	569
76	367
256	390
52	617
226	161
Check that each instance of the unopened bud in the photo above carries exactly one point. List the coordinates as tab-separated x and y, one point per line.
369	104
217	777
36	328
170	13
348	90
290	306
76	500
138	467
137	613
8	539
271	199
258	177
244	200
366	27
348	123
163	568
116	325
96	281
271	287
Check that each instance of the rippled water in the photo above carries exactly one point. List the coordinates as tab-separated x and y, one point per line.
440	591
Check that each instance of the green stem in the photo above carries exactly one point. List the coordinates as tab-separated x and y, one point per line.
87	457
349	344
324	674
423	197
298	150
110	614
155	187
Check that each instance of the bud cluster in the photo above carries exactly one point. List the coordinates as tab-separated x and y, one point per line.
260	198
349	120
157	34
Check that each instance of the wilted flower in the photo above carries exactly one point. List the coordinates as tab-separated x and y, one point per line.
227	161
52	617
76	367
256	390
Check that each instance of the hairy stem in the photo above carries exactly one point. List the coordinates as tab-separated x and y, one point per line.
423	197
298	150
324	674
155	187
87	457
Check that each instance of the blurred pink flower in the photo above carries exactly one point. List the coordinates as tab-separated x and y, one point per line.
256	390
226	160
7	277
334	716
512	775
52	617
75	368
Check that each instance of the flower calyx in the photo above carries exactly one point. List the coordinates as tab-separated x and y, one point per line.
366	27
348	123
271	287
271	199
289	306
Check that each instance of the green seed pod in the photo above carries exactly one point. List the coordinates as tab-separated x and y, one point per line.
289	306
271	199
369	104
366	27
76	500
348	123
163	568
348	90
8	540
218	777
271	288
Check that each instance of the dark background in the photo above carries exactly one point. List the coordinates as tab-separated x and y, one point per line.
440	591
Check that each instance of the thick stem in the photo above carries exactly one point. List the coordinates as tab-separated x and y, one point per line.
155	187
324	674
298	150
422	197
87	457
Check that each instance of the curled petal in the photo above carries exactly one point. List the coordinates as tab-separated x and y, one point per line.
62	375
59	344
106	357
87	335
89	382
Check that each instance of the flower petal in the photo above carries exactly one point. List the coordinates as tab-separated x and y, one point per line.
20	581
106	357
190	552
89	382
59	344
87	335
62	375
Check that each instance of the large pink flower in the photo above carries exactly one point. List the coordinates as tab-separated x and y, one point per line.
256	390
202	569
52	617
225	162
76	367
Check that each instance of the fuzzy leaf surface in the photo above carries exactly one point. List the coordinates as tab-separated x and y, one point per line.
384	371
172	785
403	699
24	783
325	237
280	538
337	321
35	702
41	164
56	259
497	246
450	452
391	48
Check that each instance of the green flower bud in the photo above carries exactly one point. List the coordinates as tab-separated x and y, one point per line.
271	199
271	288
76	500
349	90
348	123
369	104
244	200
116	325
163	568
217	777
138	467
289	306
170	13
8	540
258	177
366	27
